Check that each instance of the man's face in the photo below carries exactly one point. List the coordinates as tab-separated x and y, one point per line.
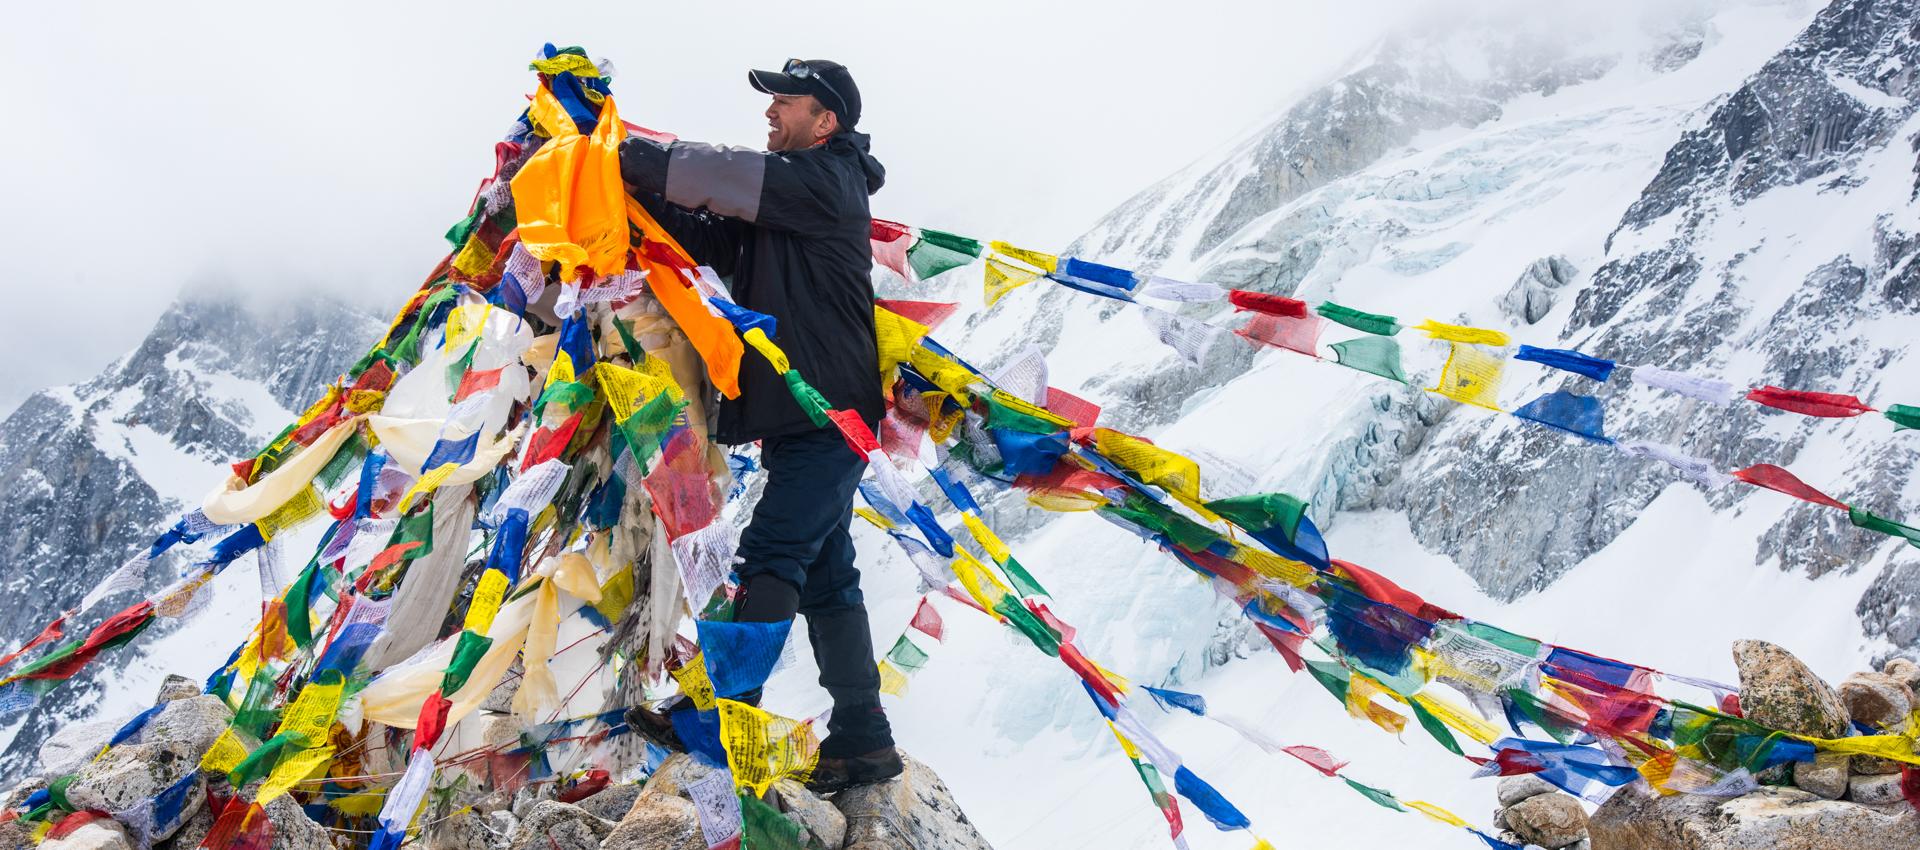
795	122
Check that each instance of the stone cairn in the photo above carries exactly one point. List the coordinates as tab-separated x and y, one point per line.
1832	803
910	812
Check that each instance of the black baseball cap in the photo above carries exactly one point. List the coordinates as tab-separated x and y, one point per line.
828	81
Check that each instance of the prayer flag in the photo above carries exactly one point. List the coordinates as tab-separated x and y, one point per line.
1081	412
926	618
1003	277
1104	280
1471	376
763	747
1830	405
906	656
1168	699
740	656
1180	291
1265	302
1884	526
1293	334
1462	333
928	313
1697	470
1036	259
1193	339
937	251
1779	480
1567	361
890	241
1378	355
1579	415
1221	813
1372	323
1905	417
1317	758
1378	795
1691	386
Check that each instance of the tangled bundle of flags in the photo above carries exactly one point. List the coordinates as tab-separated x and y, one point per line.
538	404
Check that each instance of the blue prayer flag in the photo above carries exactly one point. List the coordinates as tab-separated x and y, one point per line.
1579	415
740	656
1194	703
1208	801
743	319
1567	361
451	451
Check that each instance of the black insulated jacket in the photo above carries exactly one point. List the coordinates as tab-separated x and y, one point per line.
790	232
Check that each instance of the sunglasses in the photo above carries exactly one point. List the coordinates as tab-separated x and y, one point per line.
800	70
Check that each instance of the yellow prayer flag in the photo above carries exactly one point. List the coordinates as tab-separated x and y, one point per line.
475	258
363	804
1066	501
488	593
1471	376
574	63
304	505
1175	473
1044	262
427	484
989	541
896	336
1272	566
464	324
1022	406
980	584
575	576
538	689
1462	333
616	593
762	747
1003	277
757	338
311	714
1892	747
561	371
1458	718
873	517
226	753
1360	692
1261	844
892	681
943	372
694	681
294	768
1126	746
1437	813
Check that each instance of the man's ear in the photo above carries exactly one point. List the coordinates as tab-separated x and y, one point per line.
826	124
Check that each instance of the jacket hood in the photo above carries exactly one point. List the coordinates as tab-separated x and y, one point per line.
859	143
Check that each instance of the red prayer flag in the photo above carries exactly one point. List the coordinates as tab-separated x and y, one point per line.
433	721
117	626
1317	758
477	382
51	632
1046	616
1809	403
926	618
595	781
1069	406
240	829
1779	480
547	443
929	313
960	596
1381	589
1272	305
1910	785
890	241
1293	334
71	824
1285	643
854	430
1089	673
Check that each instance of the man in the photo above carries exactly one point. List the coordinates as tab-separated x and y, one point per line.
790	228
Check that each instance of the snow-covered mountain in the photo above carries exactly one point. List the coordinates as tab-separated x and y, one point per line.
1727	189
95	470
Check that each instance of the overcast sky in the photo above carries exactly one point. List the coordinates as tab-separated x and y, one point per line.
329	145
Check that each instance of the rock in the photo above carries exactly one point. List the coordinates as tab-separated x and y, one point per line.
1582	844
1874	766
1876	699
1549	820
529	796
72	746
195	721
613	802
102	834
191	833
1875	790
1825	776
913	810
1533	295
497	728
552	825
14	835
1777	690
1906	671
500	699
1637	818
18	794
176	686
1513	789
817	816
463	830
1500	818
658	821
133	773
675	774
293	830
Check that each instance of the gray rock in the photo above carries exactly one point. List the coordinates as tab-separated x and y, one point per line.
99	835
500	699
1533	295
613	802
530	795
1637	818
176	686
818	817
658	822
1513	789
497	728
675	774
1875	790
914	809
551	824
292	829
1582	844
1777	690
132	773
191	833
195	722
1905	670
73	745
15	836
1826	776
1876	699
1549	820
1500	818
462	830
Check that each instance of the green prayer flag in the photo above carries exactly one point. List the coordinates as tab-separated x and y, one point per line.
57	791
763	827
1331	676
347	458
573	394
458	233
416	527
906	656
1434	727
262	760
809	399
1904	416
937	251
299	616
1378	795
457	370
1020	618
467	652
1883	525
256	713
1023	581
1372	323
1158	518
1378	355
646	426
1536	710
1001	416
1262	511
1516	644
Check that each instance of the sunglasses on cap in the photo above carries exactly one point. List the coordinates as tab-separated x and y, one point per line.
800	70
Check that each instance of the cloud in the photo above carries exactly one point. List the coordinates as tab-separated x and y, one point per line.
327	146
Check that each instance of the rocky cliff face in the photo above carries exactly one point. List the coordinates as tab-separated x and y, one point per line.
96	469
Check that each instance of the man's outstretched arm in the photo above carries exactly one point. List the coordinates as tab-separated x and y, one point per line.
791	193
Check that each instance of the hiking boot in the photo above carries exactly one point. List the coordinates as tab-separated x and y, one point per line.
838	774
655	722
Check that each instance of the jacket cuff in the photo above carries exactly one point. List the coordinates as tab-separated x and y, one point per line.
643	164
